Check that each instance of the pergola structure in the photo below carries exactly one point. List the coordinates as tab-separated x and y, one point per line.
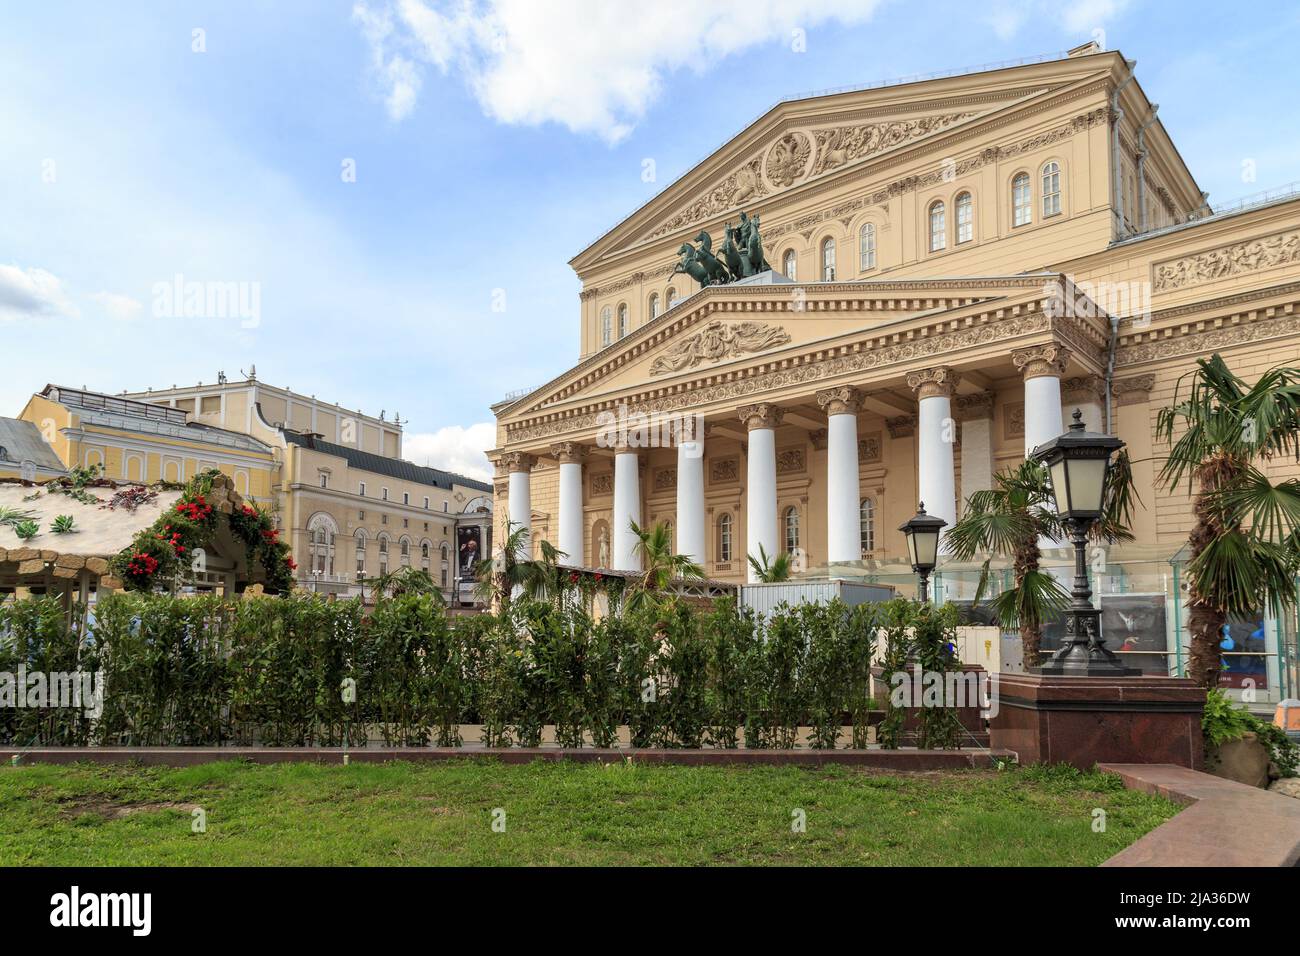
76	562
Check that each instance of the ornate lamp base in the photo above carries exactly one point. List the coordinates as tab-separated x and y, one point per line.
1084	653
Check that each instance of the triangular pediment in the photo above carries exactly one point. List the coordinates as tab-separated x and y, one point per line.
802	142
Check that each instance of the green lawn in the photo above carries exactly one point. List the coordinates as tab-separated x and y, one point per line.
561	813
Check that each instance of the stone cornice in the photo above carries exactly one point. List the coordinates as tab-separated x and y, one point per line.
1133	391
1083	388
911	295
892	350
1202	336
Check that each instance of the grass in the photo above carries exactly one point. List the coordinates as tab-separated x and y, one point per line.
561	814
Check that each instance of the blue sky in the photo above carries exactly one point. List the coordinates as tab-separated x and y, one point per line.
491	142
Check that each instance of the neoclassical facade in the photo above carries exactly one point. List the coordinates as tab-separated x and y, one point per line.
959	263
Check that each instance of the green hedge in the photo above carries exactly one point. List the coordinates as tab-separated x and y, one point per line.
204	671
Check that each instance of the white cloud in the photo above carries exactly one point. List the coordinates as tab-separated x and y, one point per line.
1077	19
31	293
121	307
581	63
454	448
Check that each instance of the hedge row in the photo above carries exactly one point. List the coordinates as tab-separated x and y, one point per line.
302	671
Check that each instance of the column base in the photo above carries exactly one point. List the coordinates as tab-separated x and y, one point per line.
1053	718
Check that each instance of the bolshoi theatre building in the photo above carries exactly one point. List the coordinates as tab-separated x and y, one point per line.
872	298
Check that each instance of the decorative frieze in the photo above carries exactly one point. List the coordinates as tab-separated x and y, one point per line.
717	341
939	381
844	400
870	448
1248	255
1133	391
724	470
1084	389
760	415
971	408
819	438
1013	420
602	484
791	461
1040	360
901	426
665	479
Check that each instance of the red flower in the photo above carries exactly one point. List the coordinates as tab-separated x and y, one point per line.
573	578
599	576
288	559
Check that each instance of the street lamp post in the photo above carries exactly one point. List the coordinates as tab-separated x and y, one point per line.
922	533
1079	464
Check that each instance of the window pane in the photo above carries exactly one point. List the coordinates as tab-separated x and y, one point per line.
1051	190
828	260
938	229
965	218
867	248
1021	200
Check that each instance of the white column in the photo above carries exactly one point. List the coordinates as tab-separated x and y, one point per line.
1042	366
520	511
570	455
843	497
975	412
936	436
627	508
690	495
760	489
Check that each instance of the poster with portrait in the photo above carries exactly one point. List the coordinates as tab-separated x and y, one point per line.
469	550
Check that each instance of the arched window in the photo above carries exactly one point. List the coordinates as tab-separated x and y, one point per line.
828	259
622	319
383	554
654	305
672	297
724	538
790	521
790	265
965	218
424	555
406	551
938	226
321	530
1051	189
606	326
867	524
1022	200
361	552
867	247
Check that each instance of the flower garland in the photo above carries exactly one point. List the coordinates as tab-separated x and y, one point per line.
165	551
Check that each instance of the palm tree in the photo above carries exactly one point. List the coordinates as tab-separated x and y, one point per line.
660	567
543	578
405	580
1247	529
1009	520
499	575
770	570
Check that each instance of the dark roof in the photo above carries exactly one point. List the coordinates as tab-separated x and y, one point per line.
393	467
22	441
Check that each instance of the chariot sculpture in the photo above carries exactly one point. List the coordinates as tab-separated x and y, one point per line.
741	255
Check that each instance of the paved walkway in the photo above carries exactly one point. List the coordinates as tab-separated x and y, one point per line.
1225	824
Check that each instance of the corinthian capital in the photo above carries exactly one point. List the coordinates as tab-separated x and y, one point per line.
1039	360
569	451
845	400
934	382
518	461
760	415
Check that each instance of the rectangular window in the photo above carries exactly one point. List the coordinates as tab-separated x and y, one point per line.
361	489
384	494
361	516
426	504
406	497
444	506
